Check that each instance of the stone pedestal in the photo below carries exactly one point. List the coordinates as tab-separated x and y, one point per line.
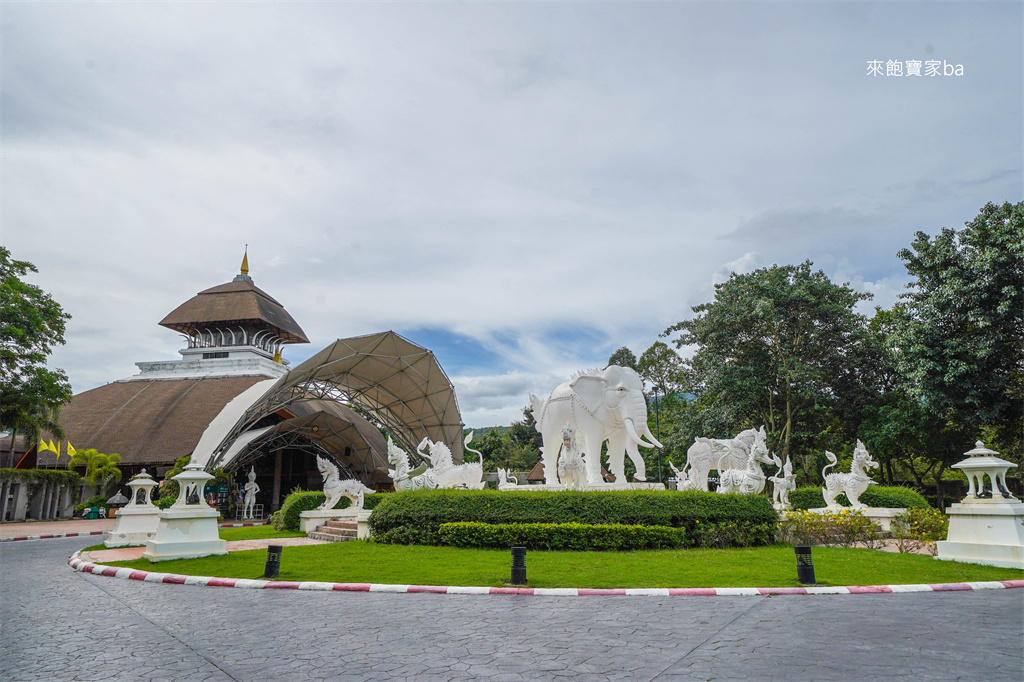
313	519
189	528
987	526
987	532
137	521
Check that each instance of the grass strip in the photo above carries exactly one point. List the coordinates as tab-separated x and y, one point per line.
363	562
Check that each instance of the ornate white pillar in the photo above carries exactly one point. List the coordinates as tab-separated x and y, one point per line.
987	526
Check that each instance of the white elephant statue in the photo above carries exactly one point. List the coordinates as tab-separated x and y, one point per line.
602	405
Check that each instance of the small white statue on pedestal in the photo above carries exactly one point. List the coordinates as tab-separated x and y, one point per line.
335	488
448	474
782	485
506	481
572	472
250	495
853	483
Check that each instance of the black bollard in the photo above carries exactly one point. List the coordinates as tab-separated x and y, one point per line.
273	561
518	566
804	565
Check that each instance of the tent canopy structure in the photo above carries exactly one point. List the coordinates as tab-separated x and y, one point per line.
384	377
332	429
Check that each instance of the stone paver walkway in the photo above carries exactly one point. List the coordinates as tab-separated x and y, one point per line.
16	530
58	624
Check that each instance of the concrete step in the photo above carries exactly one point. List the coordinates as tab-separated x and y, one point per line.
331	534
341	525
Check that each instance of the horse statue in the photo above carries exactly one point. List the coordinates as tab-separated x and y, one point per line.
335	488
853	483
405	477
784	484
572	471
750	479
710	453
448	474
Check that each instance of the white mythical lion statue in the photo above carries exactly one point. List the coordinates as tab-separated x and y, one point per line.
572	471
404	477
450	475
853	483
335	489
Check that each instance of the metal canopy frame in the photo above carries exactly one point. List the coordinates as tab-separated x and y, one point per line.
386	377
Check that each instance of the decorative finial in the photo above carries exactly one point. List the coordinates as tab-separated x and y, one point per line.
245	261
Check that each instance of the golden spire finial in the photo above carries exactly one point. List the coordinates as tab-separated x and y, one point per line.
245	261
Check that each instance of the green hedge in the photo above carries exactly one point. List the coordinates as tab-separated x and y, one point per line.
561	536
875	496
709	519
41	475
287	517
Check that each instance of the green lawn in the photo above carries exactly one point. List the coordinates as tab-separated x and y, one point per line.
363	562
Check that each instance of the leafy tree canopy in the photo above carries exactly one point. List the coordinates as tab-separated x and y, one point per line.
961	334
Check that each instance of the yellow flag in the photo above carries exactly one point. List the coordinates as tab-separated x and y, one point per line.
43	447
71	450
54	450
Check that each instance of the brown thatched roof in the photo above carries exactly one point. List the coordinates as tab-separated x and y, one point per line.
233	304
146	422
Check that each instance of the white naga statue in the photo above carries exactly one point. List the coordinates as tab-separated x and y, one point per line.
748	479
853	483
712	453
448	474
249	501
403	475
784	484
572	472
335	488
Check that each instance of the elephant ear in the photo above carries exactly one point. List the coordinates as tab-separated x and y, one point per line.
590	389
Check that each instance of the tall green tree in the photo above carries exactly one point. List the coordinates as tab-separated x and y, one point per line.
771	347
961	335
31	324
623	357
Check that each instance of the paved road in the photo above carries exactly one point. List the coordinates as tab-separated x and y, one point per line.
56	624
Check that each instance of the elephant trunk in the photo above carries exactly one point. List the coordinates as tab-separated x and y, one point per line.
634	412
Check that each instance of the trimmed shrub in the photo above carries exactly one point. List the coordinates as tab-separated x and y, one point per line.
287	517
164	502
844	528
561	536
875	496
709	519
917	529
94	501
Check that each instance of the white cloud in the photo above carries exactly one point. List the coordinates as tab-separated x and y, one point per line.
551	181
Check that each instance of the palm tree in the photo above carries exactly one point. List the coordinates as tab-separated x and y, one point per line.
30	416
100	469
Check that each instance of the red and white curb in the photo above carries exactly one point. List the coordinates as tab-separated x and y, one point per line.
51	536
175	579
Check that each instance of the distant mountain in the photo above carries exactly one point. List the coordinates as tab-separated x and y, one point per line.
481	431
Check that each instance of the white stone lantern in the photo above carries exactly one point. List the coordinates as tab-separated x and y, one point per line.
188	529
987	526
137	521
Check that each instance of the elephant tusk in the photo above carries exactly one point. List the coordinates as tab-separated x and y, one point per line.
631	430
650	437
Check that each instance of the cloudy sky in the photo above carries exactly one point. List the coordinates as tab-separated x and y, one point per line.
522	188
